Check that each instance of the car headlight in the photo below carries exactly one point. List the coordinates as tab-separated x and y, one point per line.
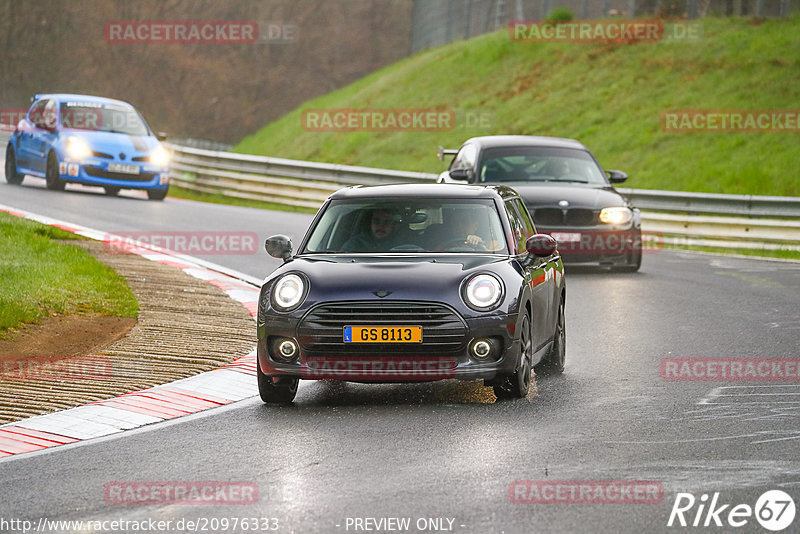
483	292
288	292
77	148
616	215
159	156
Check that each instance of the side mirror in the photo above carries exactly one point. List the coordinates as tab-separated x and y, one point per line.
541	245
279	246
461	174
616	177
161	136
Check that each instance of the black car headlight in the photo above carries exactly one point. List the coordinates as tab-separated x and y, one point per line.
483	292
616	215
288	292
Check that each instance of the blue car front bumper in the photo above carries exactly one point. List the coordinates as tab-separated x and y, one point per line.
97	172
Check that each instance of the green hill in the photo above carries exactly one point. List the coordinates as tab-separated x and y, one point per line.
608	96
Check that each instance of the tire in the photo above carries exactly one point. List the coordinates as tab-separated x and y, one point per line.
157	194
12	176
112	191
556	358
633	266
54	182
634	258
516	386
271	392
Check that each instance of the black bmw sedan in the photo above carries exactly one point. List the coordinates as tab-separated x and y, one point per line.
565	189
413	283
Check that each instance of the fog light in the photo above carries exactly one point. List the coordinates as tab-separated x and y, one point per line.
287	349
481	349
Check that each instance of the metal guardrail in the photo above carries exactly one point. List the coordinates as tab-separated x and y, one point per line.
733	221
277	180
711	203
5	135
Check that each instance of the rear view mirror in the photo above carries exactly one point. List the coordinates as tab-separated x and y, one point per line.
279	246
541	245
616	177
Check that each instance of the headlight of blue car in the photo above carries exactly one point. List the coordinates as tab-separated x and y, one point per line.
77	148
159	156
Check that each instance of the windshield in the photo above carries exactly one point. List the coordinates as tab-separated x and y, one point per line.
102	118
408	226
539	164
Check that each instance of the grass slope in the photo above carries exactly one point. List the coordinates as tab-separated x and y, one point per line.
39	277
609	96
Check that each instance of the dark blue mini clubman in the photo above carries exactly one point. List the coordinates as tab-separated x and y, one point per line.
413	283
90	140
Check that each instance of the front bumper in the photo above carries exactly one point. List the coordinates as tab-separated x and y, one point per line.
377	362
96	172
596	244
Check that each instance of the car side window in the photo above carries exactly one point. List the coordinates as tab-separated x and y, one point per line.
50	114
465	159
521	224
36	114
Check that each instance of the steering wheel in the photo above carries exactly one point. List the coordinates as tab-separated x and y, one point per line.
460	242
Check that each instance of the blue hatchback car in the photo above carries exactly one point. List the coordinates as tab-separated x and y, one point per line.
89	140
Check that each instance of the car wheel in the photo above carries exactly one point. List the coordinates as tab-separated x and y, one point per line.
556	357
635	262
157	194
516	386
634	258
12	176
276	390
54	182
112	191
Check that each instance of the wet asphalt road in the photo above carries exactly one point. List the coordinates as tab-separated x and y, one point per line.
445	450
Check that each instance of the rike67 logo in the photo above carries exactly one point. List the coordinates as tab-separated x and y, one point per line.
774	510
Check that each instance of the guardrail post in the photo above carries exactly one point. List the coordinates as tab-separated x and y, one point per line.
691	9
631	8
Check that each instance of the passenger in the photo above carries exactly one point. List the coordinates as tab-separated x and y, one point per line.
379	238
462	229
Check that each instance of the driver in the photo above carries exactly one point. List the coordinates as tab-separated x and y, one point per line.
380	237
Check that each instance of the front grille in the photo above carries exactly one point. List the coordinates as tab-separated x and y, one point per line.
320	331
102	155
579	217
97	172
564	217
141	158
548	216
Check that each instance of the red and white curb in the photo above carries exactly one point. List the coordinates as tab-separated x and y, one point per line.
233	382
